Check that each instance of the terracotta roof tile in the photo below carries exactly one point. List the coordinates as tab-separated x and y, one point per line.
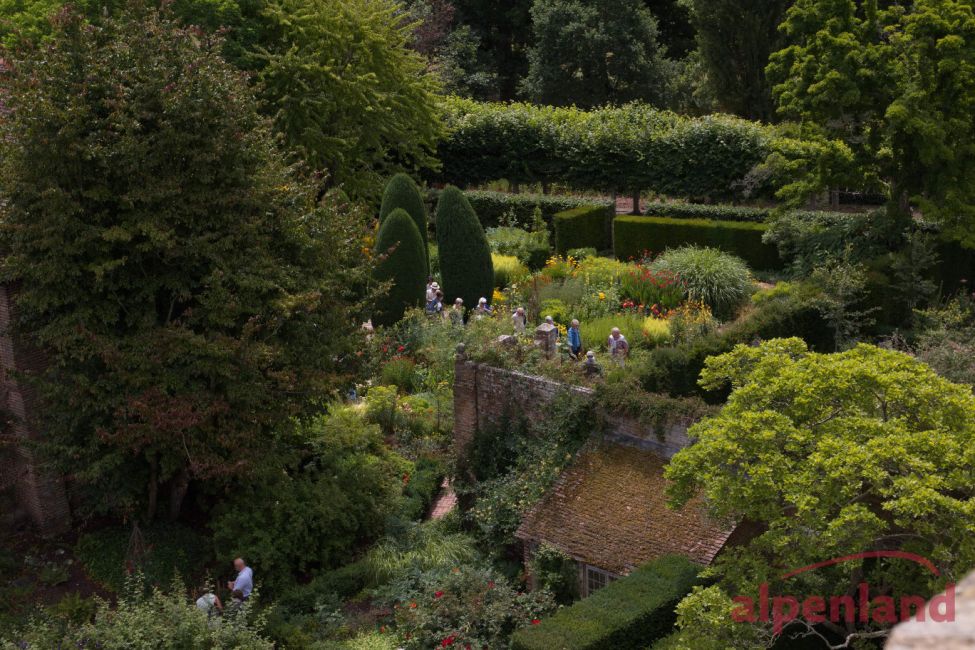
609	509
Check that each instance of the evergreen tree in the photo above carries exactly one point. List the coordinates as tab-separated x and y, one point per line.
735	39
594	53
465	256
177	273
403	263
402	193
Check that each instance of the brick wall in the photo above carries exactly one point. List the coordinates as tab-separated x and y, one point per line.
39	493
485	394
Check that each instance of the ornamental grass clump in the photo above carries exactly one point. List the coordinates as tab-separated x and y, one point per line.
717	279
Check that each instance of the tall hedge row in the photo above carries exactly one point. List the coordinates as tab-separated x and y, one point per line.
402	193
624	149
633	235
466	267
404	265
628	614
496	208
584	227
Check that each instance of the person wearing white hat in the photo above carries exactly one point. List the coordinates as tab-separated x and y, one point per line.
519	320
483	309
431	289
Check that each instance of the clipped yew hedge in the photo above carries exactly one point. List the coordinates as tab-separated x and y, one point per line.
403	194
495	208
404	265
583	227
466	267
633	235
628	614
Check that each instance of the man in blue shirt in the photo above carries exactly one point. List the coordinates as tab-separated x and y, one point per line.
575	339
245	579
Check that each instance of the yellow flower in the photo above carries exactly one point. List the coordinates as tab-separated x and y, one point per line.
602	296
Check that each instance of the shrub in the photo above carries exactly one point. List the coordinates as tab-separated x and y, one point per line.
465	257
656	331
556	309
401	373
583	227
172	551
402	193
719	280
582	253
628	614
600	271
647	287
156	621
531	248
404	264
508	270
595	332
314	512
555	572
633	236
421	487
709	212
503	209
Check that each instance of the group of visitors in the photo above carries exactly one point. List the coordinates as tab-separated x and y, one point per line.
456	314
240	590
619	347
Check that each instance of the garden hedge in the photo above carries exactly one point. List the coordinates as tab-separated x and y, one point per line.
624	149
401	192
405	266
495	208
583	227
633	235
466	267
629	613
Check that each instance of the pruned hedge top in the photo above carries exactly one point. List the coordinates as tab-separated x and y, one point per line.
465	257
402	193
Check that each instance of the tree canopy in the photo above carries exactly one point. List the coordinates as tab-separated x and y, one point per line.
595	53
827	455
349	95
176	271
893	81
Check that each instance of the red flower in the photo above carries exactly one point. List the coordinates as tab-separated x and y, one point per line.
490	584
400	348
438	594
448	641
413	605
535	621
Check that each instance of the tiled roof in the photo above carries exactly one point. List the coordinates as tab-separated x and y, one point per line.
609	509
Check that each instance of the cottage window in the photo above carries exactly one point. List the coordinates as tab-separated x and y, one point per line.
596	579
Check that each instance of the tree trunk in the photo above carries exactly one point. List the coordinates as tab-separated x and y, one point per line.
177	492
636	202
153	488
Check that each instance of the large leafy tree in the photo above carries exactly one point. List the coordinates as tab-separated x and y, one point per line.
595	53
735	39
827	455
502	30
189	290
894	81
349	94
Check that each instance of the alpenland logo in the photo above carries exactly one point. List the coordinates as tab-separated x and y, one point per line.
781	610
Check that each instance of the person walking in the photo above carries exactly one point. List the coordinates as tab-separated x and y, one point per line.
244	583
619	347
519	320
575	339
457	313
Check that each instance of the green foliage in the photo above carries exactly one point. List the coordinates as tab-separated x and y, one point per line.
517	210
530	248
633	147
840	427
628	614
331	496
719	280
401	192
465	256
418	548
349	94
735	39
555	572
894	83
595	331
146	207
508	270
634	236
139	622
173	551
653	409
464	606
946	339
401	373
75	609
595	53
646	289
403	262
584	227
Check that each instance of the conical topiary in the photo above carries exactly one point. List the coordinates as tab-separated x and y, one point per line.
465	256
402	193
404	265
